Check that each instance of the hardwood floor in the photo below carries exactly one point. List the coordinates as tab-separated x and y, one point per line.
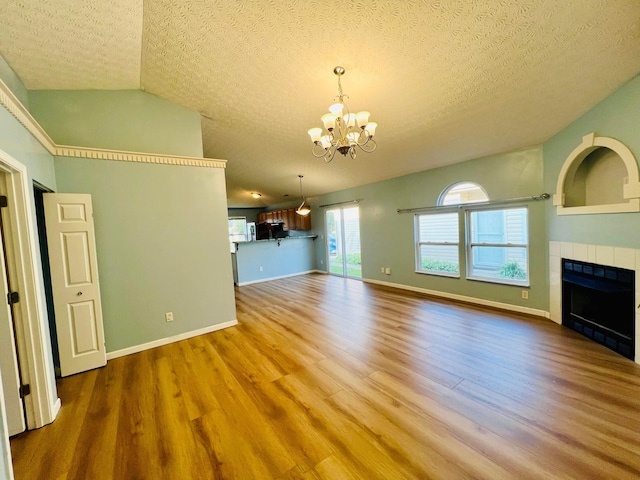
349	381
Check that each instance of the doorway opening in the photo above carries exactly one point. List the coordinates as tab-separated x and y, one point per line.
343	241
38	195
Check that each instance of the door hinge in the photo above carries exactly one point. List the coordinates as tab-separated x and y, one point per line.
25	390
13	297
4	202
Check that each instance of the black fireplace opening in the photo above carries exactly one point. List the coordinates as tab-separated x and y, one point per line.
598	302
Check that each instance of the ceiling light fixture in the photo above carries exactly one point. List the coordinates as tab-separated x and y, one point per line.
256	195
346	130
303	209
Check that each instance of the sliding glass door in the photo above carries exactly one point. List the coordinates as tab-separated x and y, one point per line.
343	241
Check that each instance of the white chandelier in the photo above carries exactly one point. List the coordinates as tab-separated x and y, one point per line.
345	131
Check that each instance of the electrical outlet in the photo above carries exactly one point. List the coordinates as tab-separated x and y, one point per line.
525	294
321	262
387	270
260	267
168	316
381	269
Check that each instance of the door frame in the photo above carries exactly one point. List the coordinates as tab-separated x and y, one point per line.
343	238
32	336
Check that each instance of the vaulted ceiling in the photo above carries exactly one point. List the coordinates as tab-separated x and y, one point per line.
446	80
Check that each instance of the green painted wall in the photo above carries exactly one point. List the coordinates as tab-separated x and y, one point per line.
128	120
618	116
387	237
161	235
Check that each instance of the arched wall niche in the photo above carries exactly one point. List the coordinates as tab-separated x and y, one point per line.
599	176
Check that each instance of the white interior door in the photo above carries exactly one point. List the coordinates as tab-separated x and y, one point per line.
74	279
9	358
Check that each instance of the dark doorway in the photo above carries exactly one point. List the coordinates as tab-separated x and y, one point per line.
38	192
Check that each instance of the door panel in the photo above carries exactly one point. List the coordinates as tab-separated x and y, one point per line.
75	284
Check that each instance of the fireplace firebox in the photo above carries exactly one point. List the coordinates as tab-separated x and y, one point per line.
598	301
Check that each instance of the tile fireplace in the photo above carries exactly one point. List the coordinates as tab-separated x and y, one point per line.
611	276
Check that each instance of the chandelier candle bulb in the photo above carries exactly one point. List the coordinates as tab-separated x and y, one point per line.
347	132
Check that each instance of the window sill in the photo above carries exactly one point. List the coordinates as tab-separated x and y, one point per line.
438	274
513	283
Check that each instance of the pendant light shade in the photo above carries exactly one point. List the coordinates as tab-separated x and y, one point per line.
303	209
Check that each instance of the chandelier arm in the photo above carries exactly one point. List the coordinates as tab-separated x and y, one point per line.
331	152
372	145
315	148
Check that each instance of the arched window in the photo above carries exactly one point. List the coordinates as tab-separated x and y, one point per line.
462	192
495	238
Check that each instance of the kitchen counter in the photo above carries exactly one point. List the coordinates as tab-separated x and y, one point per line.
263	260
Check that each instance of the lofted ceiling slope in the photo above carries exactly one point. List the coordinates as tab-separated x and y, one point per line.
446	80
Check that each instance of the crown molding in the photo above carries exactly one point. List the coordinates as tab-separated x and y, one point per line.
13	105
123	156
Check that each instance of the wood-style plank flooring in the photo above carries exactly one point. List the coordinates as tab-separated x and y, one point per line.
330	378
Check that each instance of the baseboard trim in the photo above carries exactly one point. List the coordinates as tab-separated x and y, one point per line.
242	284
464	298
56	409
165	341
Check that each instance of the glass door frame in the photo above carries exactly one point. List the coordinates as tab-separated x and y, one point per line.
340	242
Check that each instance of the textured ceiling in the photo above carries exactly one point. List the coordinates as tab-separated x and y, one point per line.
446	80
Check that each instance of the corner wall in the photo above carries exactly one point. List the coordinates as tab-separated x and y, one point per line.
618	117
162	243
387	237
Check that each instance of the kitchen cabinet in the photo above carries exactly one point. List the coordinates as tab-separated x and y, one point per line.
292	221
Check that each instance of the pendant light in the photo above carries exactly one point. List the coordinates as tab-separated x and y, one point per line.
303	209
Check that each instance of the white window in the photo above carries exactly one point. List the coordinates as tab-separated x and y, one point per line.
237	230
462	192
437	234
496	239
437	244
497	245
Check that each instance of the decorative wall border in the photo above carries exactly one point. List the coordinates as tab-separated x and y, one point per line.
13	105
122	156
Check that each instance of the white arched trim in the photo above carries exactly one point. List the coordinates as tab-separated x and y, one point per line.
631	190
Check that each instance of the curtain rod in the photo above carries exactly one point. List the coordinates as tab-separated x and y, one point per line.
357	200
542	196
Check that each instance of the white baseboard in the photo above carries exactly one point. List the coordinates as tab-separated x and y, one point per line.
168	340
464	298
242	284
